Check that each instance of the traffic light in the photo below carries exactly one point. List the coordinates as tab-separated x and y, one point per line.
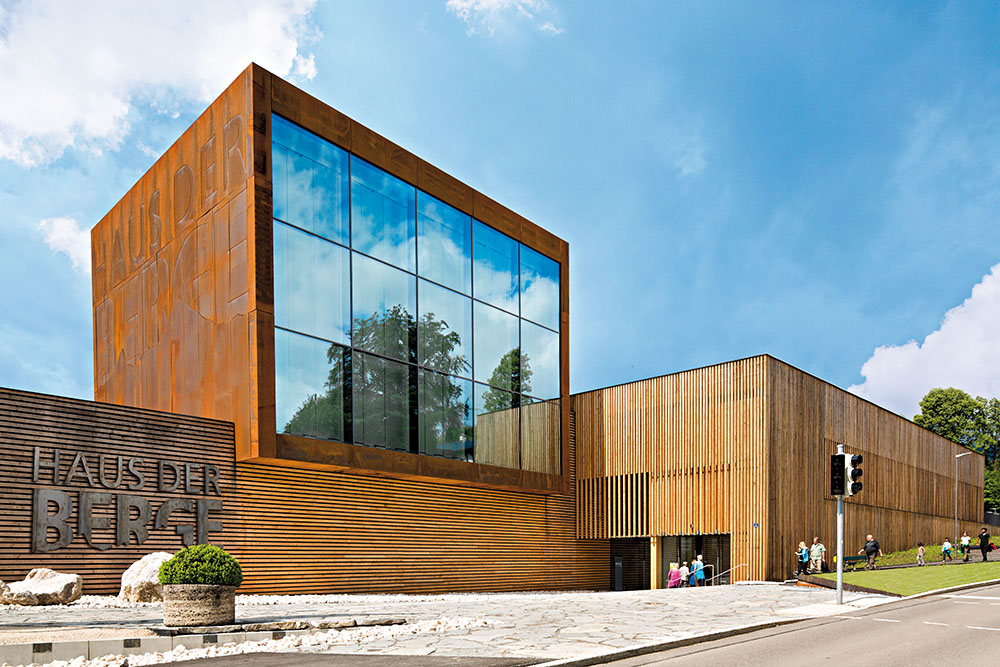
838	471
852	473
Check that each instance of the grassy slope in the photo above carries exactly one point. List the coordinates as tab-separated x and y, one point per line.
912	580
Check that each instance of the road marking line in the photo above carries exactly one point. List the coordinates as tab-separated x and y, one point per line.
973	597
887	620
961	602
933	623
850	618
976	627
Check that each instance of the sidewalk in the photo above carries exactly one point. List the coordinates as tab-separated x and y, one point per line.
540	626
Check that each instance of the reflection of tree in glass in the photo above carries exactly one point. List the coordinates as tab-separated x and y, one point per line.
513	373
373	405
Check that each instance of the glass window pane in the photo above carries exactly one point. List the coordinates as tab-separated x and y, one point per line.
384	306
383	215
496	348
497	427
311	285
539	361
310	181
444	332
309	383
541	447
381	402
494	271
445	416
539	288
444	241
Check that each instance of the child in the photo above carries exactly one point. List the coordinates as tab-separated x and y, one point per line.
946	550
803	554
920	554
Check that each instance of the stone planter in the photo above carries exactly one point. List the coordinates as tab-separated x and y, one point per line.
198	604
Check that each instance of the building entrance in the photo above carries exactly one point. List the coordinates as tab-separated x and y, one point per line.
714	550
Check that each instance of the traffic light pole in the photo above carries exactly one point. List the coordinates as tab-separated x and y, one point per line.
840	541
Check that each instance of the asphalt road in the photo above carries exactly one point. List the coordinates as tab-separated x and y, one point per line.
935	630
354	660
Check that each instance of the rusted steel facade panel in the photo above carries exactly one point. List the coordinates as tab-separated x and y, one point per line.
173	277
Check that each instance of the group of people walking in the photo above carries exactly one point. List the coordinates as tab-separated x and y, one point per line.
812	559
965	547
681	575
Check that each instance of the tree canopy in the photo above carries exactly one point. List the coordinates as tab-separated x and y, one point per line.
971	422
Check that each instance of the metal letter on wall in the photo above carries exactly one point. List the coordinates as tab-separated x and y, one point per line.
126	525
88	522
42	521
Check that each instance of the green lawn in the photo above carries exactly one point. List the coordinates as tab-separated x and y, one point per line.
932	553
912	580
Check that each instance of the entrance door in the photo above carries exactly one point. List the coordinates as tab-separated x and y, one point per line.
714	551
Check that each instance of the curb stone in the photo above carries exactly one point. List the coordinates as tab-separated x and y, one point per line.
45	652
645	649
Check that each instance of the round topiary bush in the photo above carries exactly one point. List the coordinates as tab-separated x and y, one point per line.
202	564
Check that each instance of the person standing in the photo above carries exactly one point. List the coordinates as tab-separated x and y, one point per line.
946	550
920	554
965	547
873	550
698	571
803	558
984	543
685	574
817	554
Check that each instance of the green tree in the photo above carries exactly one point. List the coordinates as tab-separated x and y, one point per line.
513	373
991	492
372	401
971	422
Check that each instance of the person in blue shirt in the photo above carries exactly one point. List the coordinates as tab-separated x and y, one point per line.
698	572
803	554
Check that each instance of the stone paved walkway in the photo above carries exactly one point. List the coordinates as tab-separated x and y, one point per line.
538	625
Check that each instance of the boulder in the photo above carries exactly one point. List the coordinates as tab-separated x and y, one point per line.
141	582
49	586
9	597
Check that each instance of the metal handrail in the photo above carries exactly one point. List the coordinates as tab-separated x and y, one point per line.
727	571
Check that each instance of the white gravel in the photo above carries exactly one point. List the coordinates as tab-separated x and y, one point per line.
315	642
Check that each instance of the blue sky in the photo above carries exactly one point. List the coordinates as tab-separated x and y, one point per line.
821	183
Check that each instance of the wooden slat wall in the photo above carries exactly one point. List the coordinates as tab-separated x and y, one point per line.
294	530
909	473
28	420
743	448
679	454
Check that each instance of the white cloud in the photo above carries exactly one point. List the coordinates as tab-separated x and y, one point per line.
65	235
964	353
70	71
491	16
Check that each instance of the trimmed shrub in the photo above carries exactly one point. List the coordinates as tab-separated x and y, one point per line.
202	564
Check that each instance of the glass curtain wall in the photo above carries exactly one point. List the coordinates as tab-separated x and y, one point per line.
403	323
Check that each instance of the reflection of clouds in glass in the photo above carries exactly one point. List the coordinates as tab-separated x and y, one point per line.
539	288
310	285
541	348
301	371
495	267
496	334
383	215
309	181
444	243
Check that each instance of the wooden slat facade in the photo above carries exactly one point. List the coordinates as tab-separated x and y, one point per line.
293	530
743	448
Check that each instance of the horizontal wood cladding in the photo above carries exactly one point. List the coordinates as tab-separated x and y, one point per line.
677	455
294	530
29	420
908	472
322	531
